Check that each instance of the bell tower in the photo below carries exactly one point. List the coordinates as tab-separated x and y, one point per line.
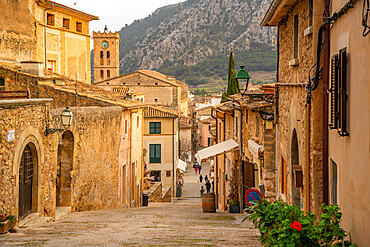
106	55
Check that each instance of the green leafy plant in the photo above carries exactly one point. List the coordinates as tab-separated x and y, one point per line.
282	224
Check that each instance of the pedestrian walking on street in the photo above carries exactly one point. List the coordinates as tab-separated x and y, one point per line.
200	178
196	170
208	186
201	191
200	168
205	178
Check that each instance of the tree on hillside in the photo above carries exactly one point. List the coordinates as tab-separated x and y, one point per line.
232	83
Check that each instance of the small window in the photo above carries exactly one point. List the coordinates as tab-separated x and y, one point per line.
155	153
50	19
2	82
296	23
79	27
52	64
138	83
310	12
108	57
156	83
334	183
155	127
108	73
101	58
126	127
66	23
156	100
102	74
168	174
138	121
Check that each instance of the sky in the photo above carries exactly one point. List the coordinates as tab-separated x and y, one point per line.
116	13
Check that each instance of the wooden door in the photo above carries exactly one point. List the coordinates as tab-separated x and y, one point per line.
25	182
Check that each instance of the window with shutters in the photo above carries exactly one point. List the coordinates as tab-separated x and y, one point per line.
155	127
155	153
339	93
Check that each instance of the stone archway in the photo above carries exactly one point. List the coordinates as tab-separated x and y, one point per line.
28	181
296	195
64	170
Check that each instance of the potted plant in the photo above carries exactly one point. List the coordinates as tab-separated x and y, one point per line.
233	207
233	198
7	224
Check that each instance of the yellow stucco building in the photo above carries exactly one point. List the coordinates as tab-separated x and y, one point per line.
67	39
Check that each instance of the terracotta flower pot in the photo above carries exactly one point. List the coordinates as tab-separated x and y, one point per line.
2	217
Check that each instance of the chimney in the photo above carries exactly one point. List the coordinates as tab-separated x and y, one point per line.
33	68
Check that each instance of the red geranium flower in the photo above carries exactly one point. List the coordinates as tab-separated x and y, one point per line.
296	225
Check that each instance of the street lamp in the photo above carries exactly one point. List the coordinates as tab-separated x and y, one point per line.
243	75
66	118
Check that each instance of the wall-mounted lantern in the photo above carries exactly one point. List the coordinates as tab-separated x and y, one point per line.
66	119
243	75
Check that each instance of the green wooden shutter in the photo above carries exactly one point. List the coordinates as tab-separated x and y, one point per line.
342	126
334	93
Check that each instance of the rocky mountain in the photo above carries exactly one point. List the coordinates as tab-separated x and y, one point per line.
193	38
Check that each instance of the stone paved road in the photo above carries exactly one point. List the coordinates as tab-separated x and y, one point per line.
160	224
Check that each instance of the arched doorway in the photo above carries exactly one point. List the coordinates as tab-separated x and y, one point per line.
27	181
64	170
296	195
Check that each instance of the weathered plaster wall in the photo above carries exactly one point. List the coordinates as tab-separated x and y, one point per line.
96	132
18	39
351	154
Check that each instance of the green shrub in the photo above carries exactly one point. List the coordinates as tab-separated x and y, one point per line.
282	224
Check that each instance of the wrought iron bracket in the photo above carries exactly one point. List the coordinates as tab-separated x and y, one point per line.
49	131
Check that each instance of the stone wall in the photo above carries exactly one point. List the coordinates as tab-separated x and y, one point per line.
96	133
291	104
28	122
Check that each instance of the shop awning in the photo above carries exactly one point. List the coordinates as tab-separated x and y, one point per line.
181	165
216	149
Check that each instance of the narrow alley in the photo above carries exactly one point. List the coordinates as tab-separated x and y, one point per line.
181	223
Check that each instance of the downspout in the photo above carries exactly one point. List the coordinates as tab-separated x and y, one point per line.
307	153
325	141
276	117
52	6
173	157
241	196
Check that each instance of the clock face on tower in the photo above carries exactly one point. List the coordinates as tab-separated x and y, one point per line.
104	44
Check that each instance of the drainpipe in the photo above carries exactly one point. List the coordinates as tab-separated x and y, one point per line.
325	141
276	161
52	6
308	147
173	157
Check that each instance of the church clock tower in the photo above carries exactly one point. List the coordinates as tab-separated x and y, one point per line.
106	55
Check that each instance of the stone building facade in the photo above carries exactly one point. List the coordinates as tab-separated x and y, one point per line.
106	55
159	89
299	113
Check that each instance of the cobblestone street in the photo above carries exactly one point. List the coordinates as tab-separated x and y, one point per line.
181	223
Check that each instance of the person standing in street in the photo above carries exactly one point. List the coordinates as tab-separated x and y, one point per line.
200	168
200	178
201	191
205	178
196	170
208	186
